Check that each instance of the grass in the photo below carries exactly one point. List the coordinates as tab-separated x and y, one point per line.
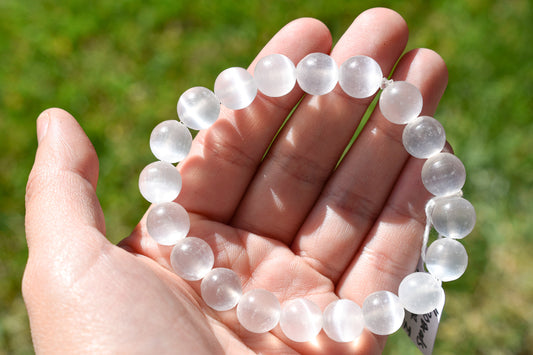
120	66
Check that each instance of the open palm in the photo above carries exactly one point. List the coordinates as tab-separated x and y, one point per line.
293	221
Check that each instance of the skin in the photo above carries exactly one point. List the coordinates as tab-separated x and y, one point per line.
292	223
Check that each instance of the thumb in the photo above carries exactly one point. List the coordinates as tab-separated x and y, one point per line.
64	219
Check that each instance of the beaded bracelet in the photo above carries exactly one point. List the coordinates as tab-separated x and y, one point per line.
259	311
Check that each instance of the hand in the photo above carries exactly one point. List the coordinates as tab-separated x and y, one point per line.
291	223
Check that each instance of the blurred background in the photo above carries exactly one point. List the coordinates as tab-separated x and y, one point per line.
120	66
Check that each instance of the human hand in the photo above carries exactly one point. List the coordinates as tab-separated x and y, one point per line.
291	223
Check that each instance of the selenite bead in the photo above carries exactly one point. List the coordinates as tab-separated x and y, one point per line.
221	289
400	102
453	217
275	75
301	320
420	293
160	182
383	312
235	88
167	223
258	311
423	137
343	320
446	259
443	174
170	141
192	258
317	73
198	108
360	76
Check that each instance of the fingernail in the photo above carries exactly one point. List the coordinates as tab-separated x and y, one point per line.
42	125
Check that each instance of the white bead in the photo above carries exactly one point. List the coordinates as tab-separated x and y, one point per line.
343	320
167	223
383	312
423	137
221	289
170	141
275	75
453	217
400	102
443	174
446	259
235	88
420	293
160	182
258	311
301	320
317	74
198	108
360	76
192	258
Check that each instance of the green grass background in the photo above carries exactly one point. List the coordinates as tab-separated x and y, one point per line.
119	67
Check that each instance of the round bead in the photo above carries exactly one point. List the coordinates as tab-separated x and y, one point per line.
198	108
420	293
423	137
235	88
383	312
275	75
400	102
446	259
453	217
343	320
443	174
192	258
160	182
221	289
360	76
258	311
301	320
167	223
170	141
317	73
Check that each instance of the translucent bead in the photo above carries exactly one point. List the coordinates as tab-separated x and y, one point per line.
160	182
343	320
420	293
221	289
317	74
423	137
443	174
360	76
198	108
192	258
167	223
446	259
400	102
453	217
383	312
275	75
258	311
235	88
170	141
301	320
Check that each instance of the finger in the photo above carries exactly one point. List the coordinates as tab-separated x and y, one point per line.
224	158
360	188
307	150
392	247
63	216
